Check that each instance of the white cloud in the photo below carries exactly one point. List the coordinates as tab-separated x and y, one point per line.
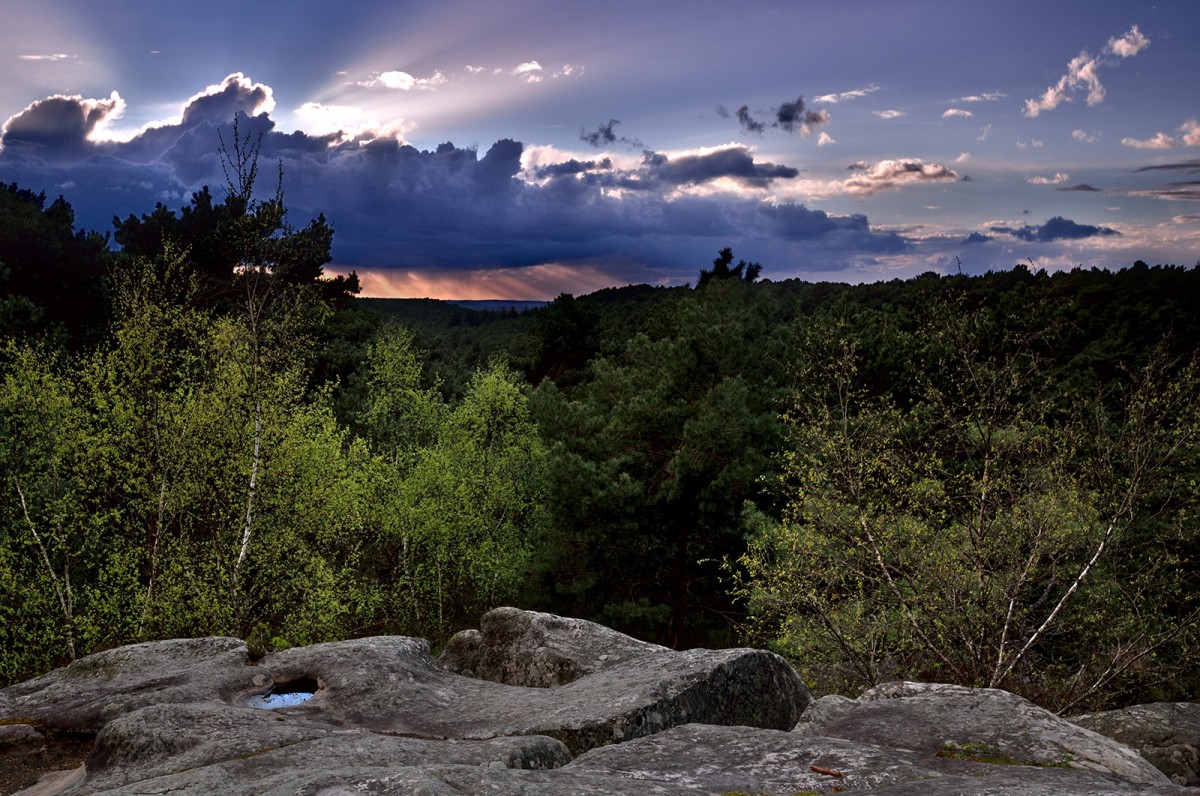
1083	71
957	113
1159	141
895	173
987	96
396	79
1128	45
825	138
530	70
888	114
49	57
1085	136
963	157
403	81
985	133
858	93
350	123
1036	143
1191	132
474	70
1058	179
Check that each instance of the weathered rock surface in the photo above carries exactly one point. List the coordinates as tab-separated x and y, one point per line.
706	758
94	690
539	650
1165	733
393	685
979	724
205	748
20	739
507	706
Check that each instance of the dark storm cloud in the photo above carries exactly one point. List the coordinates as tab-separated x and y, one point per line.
602	135
975	237
1082	187
572	167
721	111
1056	228
1185	165
791	117
748	123
1188	191
736	163
58	127
606	134
798	223
235	94
393	205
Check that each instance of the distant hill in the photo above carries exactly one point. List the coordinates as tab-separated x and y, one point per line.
498	305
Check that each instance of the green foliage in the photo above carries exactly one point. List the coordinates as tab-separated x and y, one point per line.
721	270
52	278
977	535
653	458
461	489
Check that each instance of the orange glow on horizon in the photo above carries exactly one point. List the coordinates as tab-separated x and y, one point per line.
527	283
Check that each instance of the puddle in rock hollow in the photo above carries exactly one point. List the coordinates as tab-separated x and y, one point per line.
286	694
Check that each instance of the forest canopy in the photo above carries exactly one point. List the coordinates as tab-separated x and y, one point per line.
988	480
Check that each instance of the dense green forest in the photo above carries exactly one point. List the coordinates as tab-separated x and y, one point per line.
989	480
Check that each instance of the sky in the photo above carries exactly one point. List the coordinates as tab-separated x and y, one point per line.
523	149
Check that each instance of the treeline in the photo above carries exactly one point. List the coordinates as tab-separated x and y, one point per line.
988	480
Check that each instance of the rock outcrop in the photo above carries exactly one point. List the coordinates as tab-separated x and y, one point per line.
534	704
1165	733
982	724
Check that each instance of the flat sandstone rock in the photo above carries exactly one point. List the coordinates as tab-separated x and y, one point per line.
536	704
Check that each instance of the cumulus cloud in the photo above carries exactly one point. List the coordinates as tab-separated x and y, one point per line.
452	208
825	138
1189	136
61	126
893	174
530	70
959	113
1084	135
348	123
1128	44
1056	228
1083	72
1191	132
888	114
736	163
399	80
1058	179
572	166
1159	141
